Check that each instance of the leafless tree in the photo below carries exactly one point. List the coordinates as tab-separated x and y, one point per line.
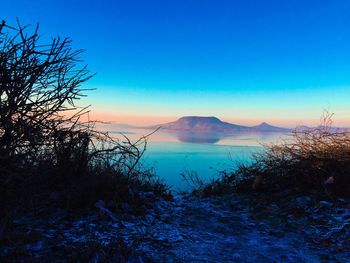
39	118
39	85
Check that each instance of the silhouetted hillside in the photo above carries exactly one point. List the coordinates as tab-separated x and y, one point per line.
214	125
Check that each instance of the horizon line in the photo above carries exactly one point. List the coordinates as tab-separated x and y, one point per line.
149	120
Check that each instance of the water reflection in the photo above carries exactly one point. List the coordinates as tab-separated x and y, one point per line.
198	138
205	153
239	138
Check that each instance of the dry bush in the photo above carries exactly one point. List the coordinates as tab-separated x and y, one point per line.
39	84
313	160
52	158
45	146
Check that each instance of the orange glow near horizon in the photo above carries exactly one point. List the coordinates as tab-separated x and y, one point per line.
131	119
144	120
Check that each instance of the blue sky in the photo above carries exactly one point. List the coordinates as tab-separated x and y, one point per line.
246	61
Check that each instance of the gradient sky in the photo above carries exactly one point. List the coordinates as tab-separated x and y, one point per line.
243	61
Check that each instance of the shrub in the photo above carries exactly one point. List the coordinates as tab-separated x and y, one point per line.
313	161
46	148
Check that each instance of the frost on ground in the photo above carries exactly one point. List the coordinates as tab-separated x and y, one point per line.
189	229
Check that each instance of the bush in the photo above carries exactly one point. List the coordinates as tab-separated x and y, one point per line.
50	156
313	161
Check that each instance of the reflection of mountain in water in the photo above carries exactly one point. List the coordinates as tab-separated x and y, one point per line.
242	137
199	137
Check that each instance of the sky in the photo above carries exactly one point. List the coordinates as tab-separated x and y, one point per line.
248	61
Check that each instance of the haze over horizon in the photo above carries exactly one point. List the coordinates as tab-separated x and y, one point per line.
245	62
108	125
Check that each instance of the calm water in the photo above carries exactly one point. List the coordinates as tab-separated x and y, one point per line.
172	154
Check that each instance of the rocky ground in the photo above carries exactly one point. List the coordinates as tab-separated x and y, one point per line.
189	229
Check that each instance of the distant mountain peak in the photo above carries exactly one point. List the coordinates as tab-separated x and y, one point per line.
264	124
199	118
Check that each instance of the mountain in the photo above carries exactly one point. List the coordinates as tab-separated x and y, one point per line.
198	124
201	124
265	127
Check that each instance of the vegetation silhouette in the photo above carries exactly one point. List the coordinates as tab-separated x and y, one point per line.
313	161
51	155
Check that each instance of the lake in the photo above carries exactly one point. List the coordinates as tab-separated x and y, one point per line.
172	154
